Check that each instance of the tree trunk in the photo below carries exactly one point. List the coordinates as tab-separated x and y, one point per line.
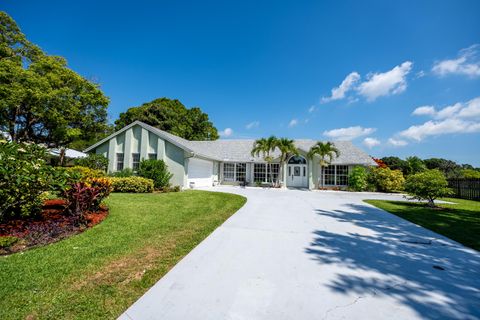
62	156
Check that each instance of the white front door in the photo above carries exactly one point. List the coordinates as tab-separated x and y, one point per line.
297	175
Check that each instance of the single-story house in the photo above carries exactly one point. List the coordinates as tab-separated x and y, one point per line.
207	163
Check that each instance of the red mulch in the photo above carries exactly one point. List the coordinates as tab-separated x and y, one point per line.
52	225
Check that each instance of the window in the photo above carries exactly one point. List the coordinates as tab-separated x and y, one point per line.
119	161
259	172
297	160
273	169
241	171
229	171
329	175
262	172
342	175
135	161
234	171
152	156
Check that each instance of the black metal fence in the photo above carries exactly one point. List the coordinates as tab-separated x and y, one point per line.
465	188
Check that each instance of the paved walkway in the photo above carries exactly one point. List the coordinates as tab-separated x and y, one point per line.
292	254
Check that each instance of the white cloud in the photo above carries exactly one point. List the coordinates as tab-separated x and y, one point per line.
424	111
471	109
458	118
311	109
349	133
387	83
448	112
420	74
253	124
467	63
371	142
347	84
435	128
397	142
292	123
227	132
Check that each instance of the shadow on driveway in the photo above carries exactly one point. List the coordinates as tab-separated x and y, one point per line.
395	258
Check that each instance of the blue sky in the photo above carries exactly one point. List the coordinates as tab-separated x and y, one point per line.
355	70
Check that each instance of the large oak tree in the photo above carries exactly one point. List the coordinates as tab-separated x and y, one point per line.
171	116
41	99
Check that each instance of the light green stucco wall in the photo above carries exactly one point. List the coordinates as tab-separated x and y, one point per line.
140	140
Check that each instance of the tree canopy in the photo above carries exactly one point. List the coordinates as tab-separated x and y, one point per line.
171	116
41	99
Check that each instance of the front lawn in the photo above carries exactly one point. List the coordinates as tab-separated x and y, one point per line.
101	272
459	221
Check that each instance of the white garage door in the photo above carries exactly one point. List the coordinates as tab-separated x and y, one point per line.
200	171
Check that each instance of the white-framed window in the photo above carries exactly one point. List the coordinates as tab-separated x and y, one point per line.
135	161
329	175
240	172
234	171
262	172
336	175
259	172
229	171
119	161
152	156
342	175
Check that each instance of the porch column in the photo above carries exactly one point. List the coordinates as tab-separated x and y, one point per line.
311	184
284	178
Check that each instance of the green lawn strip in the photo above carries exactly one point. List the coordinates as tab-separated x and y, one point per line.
459	221
99	273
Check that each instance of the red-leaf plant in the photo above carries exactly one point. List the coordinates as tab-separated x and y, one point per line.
81	198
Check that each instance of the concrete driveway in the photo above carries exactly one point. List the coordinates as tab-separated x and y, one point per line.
292	254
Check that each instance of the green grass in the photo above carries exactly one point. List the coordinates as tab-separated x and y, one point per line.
459	221
101	272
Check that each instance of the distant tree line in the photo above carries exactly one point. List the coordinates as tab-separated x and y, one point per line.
450	169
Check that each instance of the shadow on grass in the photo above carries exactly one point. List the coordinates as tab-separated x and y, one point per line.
392	266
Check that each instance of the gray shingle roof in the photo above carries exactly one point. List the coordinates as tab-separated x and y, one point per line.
240	150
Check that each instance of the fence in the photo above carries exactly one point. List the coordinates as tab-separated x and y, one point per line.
465	188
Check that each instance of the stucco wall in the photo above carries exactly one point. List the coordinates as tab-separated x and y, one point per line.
139	140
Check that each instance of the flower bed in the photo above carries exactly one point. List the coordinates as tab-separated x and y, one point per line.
50	226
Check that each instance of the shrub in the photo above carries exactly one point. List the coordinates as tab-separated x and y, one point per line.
156	170
24	177
127	172
7	241
357	180
428	185
86	172
387	180
104	188
93	161
86	196
132	184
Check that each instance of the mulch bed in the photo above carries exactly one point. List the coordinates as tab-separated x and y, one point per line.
52	225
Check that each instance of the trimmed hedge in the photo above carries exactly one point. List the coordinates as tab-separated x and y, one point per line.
131	184
86	173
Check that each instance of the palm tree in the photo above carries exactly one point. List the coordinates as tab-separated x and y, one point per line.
324	150
287	148
265	146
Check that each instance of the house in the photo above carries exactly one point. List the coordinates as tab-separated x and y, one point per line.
206	163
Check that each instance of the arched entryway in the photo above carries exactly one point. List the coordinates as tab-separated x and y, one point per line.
297	172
